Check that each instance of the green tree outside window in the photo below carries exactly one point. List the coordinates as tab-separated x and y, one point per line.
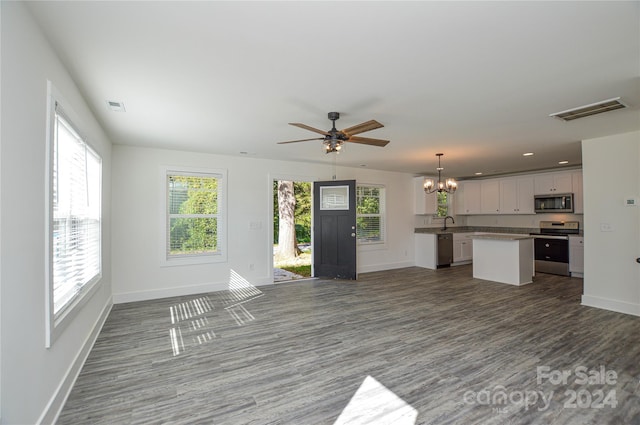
193	215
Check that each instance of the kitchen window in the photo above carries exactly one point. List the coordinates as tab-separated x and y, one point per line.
442	207
195	216
74	220
370	210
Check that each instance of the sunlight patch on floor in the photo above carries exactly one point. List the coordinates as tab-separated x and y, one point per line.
375	404
190	320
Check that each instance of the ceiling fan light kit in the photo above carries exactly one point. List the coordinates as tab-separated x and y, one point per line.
332	146
448	186
334	139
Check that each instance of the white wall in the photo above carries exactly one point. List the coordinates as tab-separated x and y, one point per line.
138	221
35	380
611	172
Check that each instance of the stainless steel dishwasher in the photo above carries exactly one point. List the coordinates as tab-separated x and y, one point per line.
445	249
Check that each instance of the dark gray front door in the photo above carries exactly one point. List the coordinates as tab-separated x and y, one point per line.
334	229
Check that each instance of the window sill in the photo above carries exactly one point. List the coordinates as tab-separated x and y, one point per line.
193	260
56	325
372	246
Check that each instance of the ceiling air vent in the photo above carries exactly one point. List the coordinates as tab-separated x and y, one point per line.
592	109
115	106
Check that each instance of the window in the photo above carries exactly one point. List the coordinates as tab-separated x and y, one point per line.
370	214
443	204
194	221
75	182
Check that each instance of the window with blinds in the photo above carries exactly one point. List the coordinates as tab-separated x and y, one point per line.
370	208
75	252
193	214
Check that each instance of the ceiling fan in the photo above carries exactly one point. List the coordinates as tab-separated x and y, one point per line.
334	139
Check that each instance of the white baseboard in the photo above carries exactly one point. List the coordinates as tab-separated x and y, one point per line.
154	294
387	266
612	305
59	398
263	281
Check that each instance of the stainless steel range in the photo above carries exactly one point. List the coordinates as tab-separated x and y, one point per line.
551	246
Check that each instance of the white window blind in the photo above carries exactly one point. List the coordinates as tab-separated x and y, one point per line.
76	215
370	207
194	214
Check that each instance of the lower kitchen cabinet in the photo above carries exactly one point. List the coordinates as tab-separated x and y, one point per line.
426	250
576	256
462	247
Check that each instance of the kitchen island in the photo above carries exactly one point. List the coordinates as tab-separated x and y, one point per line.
503	258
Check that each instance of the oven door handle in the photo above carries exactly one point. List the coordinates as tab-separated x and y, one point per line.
550	237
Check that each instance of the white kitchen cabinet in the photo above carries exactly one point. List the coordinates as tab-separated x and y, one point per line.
462	247
576	183
552	183
425	203
516	195
490	196
468	197
426	250
576	256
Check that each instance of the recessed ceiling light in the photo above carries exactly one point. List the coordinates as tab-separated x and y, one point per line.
478	173
527	154
115	106
563	162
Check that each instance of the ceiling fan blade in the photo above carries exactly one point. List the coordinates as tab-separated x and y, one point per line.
368	141
361	128
306	127
301	140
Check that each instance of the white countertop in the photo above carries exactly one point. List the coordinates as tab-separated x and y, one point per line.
501	237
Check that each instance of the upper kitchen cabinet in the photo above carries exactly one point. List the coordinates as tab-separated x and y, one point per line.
516	195
468	198
551	183
576	182
490	196
425	203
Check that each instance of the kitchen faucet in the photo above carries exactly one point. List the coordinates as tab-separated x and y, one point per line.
445	222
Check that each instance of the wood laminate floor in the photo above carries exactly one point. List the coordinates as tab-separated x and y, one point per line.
402	346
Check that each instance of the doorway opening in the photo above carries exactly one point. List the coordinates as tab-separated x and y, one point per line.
292	219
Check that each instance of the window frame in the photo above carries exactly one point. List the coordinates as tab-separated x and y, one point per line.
56	322
220	256
382	215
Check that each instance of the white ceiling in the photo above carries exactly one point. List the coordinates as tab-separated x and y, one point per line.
473	80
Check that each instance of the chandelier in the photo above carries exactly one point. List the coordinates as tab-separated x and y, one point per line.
448	186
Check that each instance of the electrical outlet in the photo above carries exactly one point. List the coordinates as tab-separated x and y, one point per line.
606	227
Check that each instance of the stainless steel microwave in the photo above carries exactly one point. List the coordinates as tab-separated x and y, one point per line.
561	202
